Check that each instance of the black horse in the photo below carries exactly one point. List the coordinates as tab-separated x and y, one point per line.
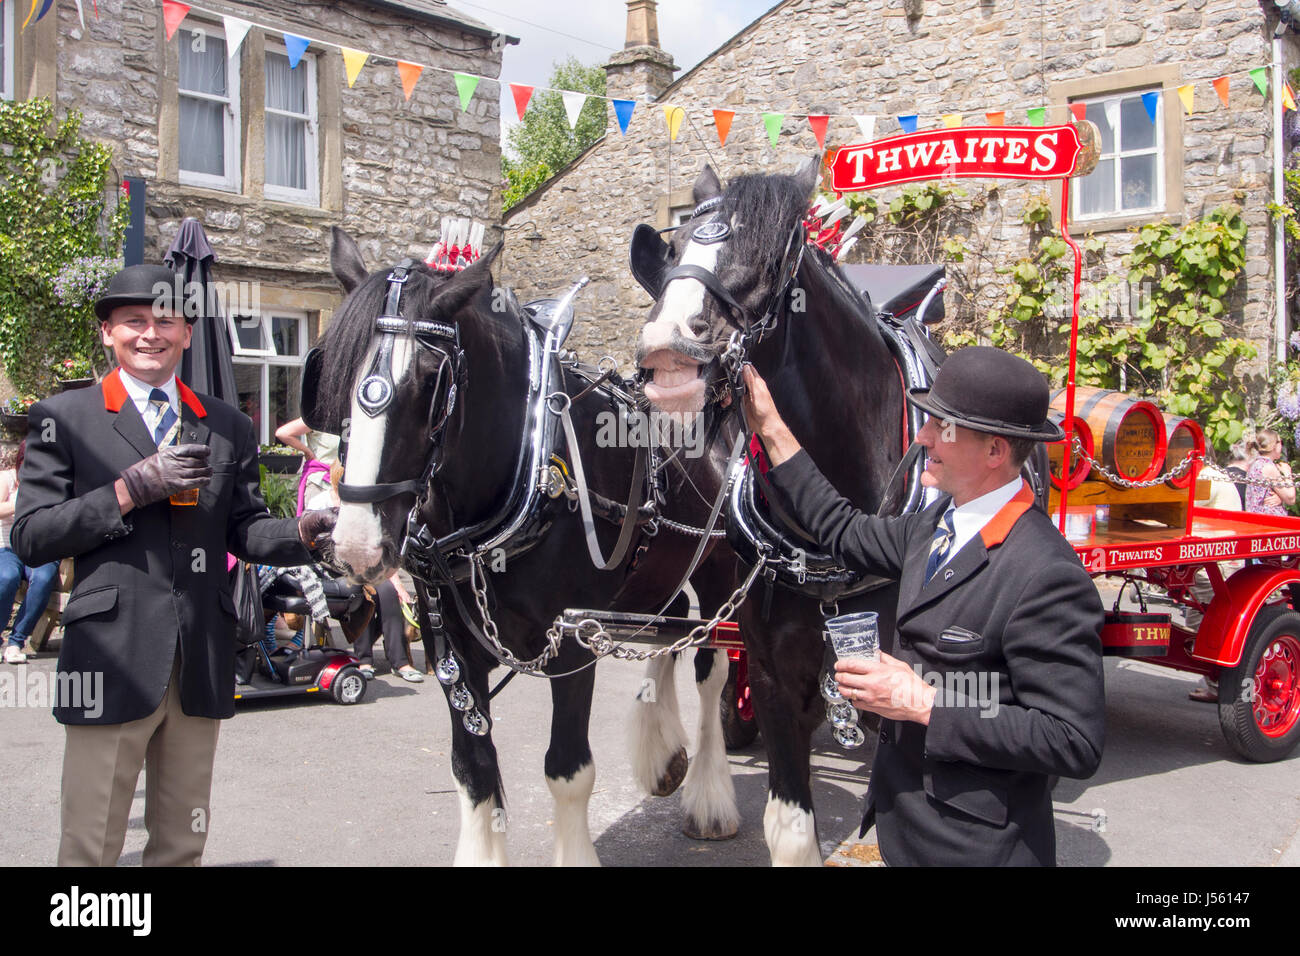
835	382
452	375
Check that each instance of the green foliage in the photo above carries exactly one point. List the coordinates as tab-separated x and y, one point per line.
280	492
543	142
54	209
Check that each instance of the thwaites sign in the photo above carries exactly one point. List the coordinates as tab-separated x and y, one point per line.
998	152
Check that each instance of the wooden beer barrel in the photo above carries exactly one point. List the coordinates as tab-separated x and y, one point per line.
1128	432
1079	467
1183	437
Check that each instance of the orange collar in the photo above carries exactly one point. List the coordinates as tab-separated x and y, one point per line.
115	395
996	531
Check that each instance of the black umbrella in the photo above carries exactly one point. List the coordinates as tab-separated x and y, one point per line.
206	366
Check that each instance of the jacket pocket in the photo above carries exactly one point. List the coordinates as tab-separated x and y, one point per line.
959	642
962	787
89	602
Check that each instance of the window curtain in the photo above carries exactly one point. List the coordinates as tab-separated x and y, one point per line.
202	122
286	137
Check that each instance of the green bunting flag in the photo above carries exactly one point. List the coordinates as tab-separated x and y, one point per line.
773	123
1260	76
1037	115
465	86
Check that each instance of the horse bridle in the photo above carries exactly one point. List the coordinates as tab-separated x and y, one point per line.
375	392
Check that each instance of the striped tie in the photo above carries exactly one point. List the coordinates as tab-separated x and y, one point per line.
161	419
940	545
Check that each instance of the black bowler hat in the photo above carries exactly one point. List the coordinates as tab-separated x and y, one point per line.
989	390
140	285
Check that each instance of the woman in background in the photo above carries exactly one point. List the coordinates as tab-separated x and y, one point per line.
1265	450
40	580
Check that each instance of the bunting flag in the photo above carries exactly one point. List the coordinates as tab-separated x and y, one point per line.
410	74
1221	87
1288	96
173	13
908	123
94	5
773	123
1037	115
818	124
623	113
296	46
996	118
1260	76
573	103
29	14
236	29
353	61
722	120
951	120
868	126
1186	92
45	8
1151	100
466	84
81	15
1080	111
522	95
673	116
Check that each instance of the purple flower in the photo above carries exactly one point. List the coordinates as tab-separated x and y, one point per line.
1295	341
1288	401
83	280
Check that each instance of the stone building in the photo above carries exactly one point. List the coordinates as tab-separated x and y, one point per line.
268	158
884	58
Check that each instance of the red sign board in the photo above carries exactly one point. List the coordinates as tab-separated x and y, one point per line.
999	152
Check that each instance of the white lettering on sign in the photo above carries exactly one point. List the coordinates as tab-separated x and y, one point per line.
1143	554
1046	156
1284	545
1207	549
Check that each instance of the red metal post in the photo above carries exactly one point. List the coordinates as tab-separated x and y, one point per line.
1067	460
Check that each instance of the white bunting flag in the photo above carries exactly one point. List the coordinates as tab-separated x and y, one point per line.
81	15
868	126
573	103
236	30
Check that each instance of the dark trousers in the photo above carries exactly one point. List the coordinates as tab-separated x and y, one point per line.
388	618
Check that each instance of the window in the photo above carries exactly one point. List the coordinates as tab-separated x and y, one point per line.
208	87
269	350
7	52
1129	178
292	168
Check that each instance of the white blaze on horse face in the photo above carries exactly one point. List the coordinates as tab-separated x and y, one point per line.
683	299
358	535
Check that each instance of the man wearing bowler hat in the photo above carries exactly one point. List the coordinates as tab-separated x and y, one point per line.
146	485
993	683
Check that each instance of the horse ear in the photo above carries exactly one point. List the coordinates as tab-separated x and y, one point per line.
807	176
345	259
461	287
707	185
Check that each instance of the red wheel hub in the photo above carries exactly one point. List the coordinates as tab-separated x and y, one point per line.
1277	687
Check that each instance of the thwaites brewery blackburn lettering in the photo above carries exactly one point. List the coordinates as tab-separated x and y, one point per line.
1000	152
1097	558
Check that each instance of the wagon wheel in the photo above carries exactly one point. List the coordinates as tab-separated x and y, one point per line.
739	728
1259	699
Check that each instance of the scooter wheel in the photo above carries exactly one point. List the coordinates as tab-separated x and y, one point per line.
348	686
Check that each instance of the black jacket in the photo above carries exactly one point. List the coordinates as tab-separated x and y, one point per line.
1012	617
156	576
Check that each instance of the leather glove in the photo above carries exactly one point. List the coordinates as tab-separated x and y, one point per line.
175	468
315	527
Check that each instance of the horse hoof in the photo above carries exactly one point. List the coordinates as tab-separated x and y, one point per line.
673	775
710	831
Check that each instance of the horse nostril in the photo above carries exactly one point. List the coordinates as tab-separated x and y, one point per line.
698	326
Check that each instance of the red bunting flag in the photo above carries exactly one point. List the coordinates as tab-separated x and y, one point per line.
173	13
1080	111
1288	96
818	124
1221	87
522	95
722	119
410	74
996	118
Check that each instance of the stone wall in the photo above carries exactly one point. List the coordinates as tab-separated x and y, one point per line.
869	57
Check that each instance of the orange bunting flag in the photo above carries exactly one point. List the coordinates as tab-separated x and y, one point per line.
722	120
1187	93
996	118
410	74
1080	111
522	95
1221	87
818	124
173	14
951	120
1288	96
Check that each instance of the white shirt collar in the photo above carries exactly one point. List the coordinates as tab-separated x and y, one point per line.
139	391
970	519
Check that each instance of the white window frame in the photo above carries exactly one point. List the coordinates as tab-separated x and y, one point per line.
232	323
263	360
7	68
311	195
1110	102
230	182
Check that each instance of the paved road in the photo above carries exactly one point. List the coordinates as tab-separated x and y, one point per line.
310	782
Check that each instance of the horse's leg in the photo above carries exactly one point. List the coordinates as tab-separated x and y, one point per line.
570	772
658	742
710	795
482	840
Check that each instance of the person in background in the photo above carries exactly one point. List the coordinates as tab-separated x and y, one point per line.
40	579
1265	452
321	450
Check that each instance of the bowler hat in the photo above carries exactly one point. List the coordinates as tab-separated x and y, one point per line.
989	390
139	285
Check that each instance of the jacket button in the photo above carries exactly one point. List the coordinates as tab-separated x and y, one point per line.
904	643
884	737
177	591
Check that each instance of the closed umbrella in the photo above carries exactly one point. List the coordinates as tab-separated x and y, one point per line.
207	366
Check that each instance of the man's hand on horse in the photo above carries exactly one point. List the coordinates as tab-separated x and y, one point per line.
762	416
316	527
887	687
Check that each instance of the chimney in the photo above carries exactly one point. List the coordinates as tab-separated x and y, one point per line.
642	70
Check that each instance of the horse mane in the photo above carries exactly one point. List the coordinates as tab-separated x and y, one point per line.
767	208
